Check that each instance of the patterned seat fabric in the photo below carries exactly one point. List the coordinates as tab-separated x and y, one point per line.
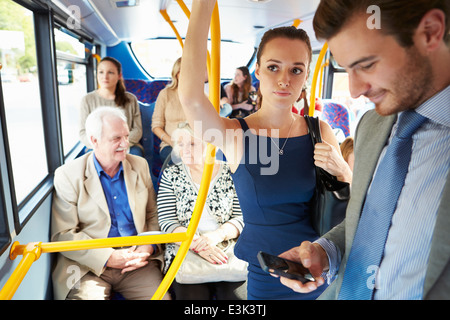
337	116
146	92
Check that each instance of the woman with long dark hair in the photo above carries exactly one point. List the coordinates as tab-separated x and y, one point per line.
112	92
238	93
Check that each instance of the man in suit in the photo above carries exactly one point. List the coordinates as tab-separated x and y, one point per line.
105	193
397	54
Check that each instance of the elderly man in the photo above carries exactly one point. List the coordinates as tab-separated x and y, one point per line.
105	193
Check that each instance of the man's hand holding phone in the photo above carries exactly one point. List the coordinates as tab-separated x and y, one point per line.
311	256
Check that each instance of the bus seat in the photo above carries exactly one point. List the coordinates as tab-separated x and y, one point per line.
149	141
256	84
336	115
144	90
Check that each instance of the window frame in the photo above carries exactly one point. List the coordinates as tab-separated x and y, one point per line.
44	21
174	39
5	236
90	83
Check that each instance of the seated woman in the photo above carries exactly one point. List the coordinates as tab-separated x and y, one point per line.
168	113
112	92
239	92
221	218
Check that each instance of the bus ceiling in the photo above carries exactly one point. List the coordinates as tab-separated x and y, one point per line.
113	21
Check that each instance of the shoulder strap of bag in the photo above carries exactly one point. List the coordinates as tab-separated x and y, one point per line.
314	129
243	124
329	181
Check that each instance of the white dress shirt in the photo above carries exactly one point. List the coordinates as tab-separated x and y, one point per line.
403	267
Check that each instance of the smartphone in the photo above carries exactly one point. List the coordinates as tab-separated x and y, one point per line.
284	267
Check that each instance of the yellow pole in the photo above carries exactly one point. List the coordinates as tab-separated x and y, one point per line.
96	56
184	8
32	252
322	67
167	18
214	88
209	162
208	56
314	81
297	22
63	246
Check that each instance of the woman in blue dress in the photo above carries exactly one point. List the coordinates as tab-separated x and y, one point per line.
270	152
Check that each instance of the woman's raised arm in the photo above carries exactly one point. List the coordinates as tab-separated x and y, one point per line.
200	113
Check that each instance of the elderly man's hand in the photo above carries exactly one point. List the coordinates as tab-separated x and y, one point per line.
130	258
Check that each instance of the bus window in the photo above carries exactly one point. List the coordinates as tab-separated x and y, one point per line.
21	98
341	93
72	85
158	55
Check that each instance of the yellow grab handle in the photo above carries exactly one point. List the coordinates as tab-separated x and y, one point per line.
167	18
314	81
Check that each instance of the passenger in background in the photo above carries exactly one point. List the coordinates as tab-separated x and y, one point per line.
301	104
105	193
347	151
225	106
221	219
112	92
238	93
270	152
168	113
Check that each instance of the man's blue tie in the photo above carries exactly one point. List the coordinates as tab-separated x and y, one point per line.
381	201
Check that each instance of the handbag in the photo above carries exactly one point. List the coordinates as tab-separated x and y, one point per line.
329	203
195	269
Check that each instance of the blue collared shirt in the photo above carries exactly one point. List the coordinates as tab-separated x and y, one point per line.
122	223
403	268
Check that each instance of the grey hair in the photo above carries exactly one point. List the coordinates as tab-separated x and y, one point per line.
94	121
182	127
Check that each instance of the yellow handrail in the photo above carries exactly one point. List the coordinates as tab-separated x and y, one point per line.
167	18
322	67
184	8
32	251
188	15
314	81
31	254
296	22
63	246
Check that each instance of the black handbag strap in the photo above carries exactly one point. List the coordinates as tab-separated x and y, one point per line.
314	129
329	181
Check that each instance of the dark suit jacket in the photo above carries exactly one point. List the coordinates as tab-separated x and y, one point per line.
371	137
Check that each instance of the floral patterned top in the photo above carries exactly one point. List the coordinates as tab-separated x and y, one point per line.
177	195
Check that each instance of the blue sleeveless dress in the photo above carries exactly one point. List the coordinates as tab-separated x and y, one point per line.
274	193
